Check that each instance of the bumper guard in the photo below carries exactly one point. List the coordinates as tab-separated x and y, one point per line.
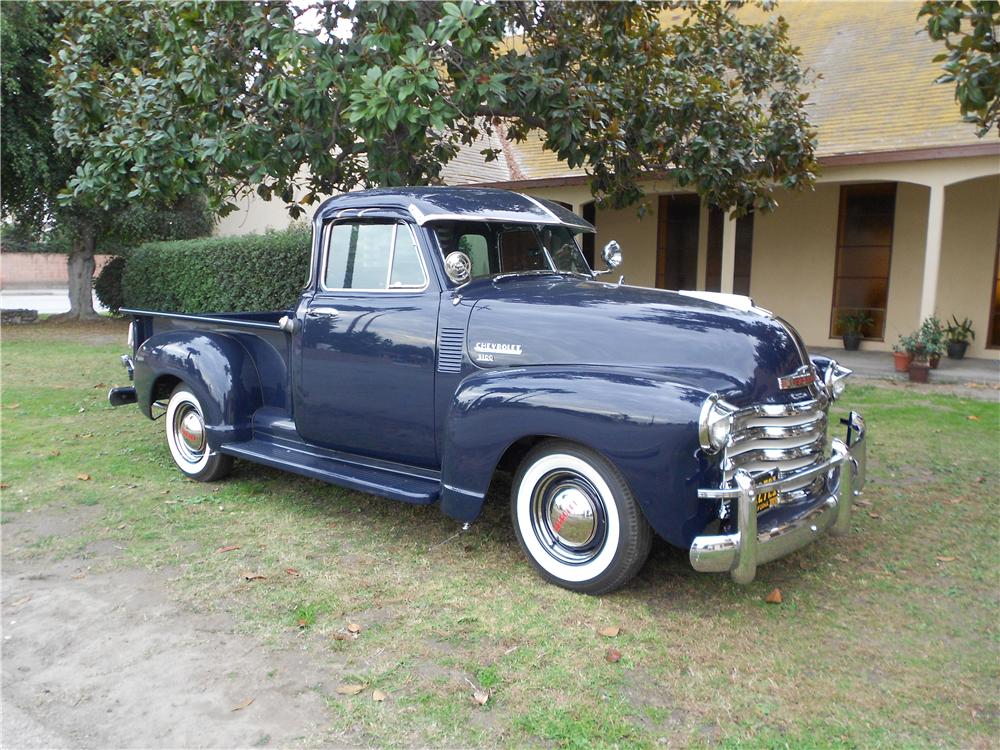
741	552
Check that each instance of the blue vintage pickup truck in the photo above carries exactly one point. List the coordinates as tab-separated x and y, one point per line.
445	334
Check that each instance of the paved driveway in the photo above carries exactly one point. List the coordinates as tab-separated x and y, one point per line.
46	301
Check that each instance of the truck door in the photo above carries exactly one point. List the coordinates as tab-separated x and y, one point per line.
365	377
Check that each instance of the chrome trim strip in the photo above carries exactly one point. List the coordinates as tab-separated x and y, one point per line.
777	432
204	319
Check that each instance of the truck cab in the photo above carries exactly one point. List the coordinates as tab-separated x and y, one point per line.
445	334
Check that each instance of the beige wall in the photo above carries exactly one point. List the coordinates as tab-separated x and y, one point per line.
968	255
256	216
794	248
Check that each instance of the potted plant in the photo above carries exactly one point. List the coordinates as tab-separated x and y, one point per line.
932	336
902	353
852	326
920	365
958	337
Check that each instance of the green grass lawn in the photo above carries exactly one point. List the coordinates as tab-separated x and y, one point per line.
878	642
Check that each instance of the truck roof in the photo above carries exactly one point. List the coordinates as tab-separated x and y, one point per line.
426	204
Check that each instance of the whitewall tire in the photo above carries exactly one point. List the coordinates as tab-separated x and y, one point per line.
577	520
188	440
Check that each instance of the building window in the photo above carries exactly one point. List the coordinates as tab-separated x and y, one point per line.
993	339
864	252
677	242
744	253
589	214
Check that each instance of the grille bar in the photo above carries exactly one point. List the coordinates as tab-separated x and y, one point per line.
786	437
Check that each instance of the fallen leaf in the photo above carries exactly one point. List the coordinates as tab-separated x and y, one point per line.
467	548
83	477
243	705
100	385
613	656
86	435
228	548
13	406
980	480
254	576
350	689
121	526
874	515
303	623
481	696
863	503
945	558
973	417
340	635
378	696
611	631
292	572
354	628
4	485
774	597
54	453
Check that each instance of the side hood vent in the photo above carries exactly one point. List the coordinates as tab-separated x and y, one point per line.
451	345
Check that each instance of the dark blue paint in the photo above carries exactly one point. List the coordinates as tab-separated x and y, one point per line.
359	399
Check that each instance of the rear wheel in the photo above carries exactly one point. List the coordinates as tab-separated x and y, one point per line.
188	441
576	519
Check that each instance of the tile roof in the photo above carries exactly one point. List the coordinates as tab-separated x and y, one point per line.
876	91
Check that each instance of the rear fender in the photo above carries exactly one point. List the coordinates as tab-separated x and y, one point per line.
644	424
218	371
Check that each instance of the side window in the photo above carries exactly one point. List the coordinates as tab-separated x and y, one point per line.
406	269
520	251
359	257
478	250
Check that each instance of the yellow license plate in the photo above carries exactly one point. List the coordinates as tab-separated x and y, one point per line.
767	498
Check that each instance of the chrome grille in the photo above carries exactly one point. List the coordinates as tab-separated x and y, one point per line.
787	438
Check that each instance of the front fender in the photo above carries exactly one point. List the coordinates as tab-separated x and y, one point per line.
646	425
215	367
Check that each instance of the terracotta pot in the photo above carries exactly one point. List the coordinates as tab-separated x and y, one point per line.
902	361
919	372
935	360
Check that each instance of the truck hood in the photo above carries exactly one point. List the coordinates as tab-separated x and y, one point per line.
555	320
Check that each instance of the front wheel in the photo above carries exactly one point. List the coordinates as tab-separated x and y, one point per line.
576	519
188	441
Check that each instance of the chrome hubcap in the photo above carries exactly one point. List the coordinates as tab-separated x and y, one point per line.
189	433
568	517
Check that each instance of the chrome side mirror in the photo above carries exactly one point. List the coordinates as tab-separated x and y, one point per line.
612	254
458	266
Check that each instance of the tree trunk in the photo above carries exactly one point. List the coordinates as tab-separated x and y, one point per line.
80	266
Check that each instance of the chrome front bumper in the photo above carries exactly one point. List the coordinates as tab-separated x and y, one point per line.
741	552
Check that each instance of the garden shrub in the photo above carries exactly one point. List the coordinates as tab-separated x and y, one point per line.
219	274
108	283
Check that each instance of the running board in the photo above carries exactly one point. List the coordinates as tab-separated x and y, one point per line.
419	489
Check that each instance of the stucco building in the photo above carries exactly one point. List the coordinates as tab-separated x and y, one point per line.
903	223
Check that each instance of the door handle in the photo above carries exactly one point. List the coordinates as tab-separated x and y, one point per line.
328	312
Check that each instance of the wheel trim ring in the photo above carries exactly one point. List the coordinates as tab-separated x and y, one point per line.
547	530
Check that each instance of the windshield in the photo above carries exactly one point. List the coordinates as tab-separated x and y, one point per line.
512	248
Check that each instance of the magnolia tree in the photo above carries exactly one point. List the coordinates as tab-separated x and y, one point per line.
224	97
34	170
970	32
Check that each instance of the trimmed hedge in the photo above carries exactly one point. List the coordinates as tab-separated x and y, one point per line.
219	274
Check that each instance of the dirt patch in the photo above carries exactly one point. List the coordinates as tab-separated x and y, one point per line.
111	660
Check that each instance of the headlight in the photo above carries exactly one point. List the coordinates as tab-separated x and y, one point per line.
835	379
715	424
131	336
